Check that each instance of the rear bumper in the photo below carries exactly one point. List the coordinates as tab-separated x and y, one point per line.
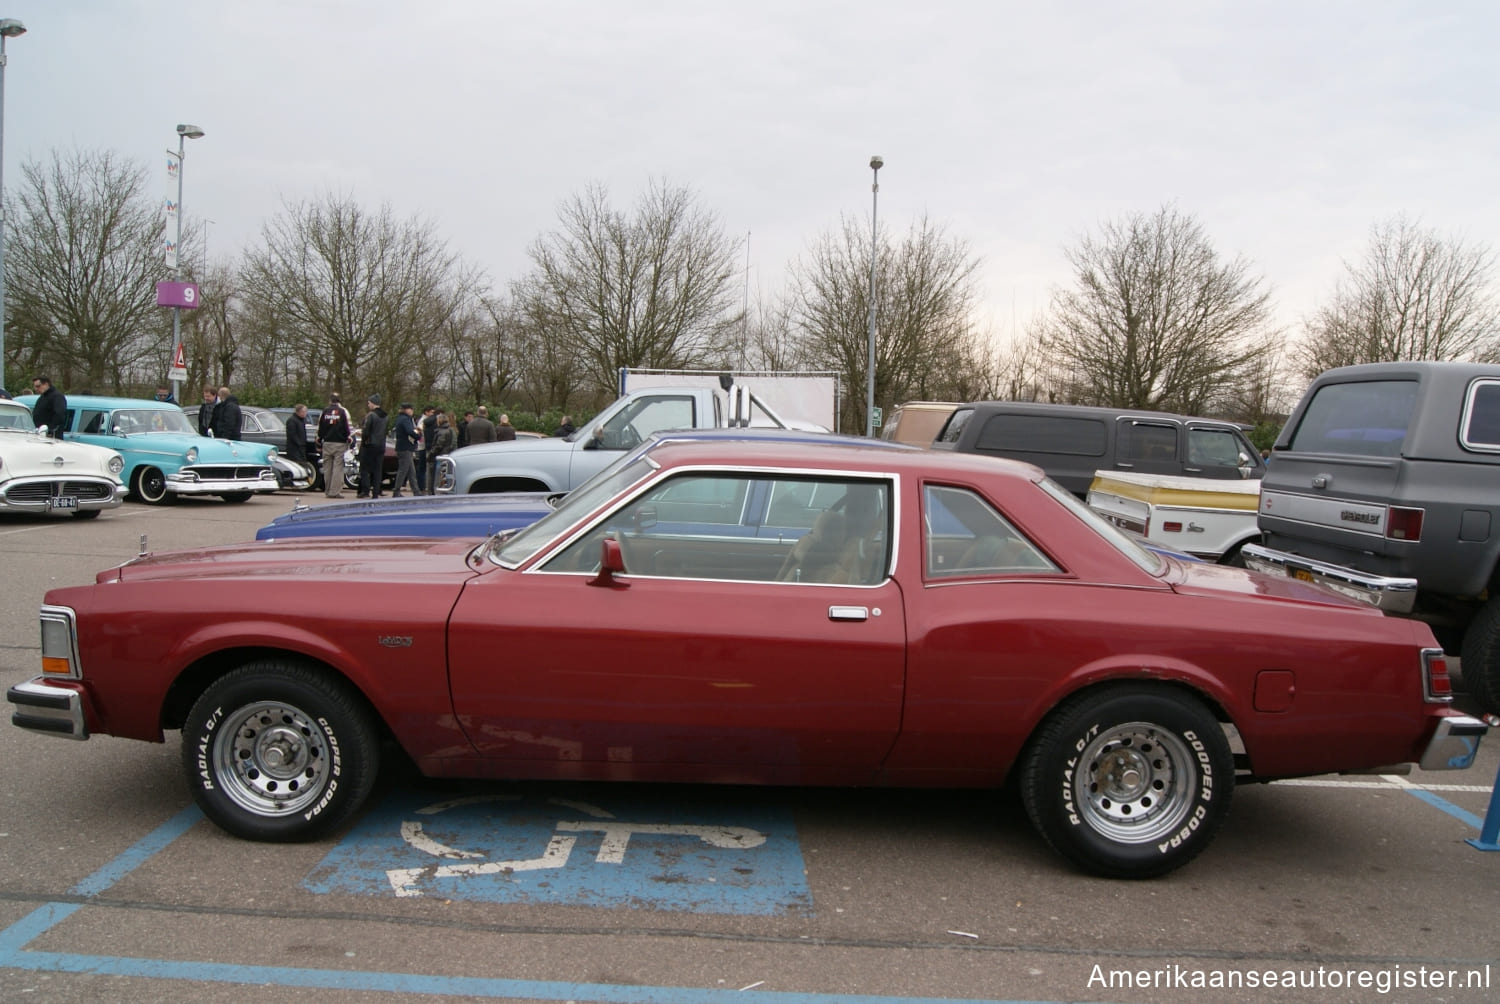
1391	594
50	710
1454	743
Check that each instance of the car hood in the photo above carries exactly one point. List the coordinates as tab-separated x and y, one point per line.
25	454
552	444
337	560
210	451
421	505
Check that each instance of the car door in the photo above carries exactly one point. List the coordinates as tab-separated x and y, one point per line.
676	671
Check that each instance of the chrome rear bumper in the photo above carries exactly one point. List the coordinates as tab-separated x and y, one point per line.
1390	594
1454	744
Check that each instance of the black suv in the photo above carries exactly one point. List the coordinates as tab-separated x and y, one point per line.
1385	485
1071	442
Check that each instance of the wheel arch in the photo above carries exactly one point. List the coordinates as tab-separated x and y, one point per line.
508	483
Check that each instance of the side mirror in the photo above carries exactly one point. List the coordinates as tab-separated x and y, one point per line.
611	563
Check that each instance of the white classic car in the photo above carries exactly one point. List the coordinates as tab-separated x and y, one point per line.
40	474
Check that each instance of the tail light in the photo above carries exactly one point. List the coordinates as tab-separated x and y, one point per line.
1402	523
1437	688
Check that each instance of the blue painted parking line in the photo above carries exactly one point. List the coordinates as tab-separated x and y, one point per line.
514	849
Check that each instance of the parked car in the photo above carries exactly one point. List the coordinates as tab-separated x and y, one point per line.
413	516
39	474
1385	485
651	631
164	455
917	422
1210	518
262	425
1072	442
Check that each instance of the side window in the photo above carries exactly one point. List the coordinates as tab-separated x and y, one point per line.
1146	442
966	536
633	425
955	425
1214	448
90	421
1006	434
1481	423
694	526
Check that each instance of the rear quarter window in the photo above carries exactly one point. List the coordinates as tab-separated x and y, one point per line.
1481	423
1081	437
1367	419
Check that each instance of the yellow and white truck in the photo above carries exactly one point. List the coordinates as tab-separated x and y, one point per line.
1209	518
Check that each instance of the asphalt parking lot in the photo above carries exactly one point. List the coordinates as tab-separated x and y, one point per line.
113	887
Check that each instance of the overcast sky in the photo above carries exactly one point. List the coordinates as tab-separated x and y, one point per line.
1286	129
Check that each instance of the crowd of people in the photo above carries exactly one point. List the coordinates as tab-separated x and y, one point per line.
420	441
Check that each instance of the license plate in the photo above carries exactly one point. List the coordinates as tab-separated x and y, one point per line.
63	502
1303	574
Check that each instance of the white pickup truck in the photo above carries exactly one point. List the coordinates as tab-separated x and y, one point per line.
1207	518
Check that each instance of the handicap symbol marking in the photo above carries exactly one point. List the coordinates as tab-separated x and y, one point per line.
510	848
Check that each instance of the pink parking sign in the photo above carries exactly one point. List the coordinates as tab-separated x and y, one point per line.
177	294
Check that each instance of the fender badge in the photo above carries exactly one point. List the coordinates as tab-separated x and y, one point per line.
395	640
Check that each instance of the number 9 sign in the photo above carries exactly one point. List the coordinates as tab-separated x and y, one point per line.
177	294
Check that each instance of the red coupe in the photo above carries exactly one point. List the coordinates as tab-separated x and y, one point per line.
753	612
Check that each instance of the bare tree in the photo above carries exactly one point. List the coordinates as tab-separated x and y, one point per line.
925	295
1415	295
1155	319
367	291
83	259
652	289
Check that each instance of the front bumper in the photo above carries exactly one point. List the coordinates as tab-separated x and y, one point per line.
44	494
1390	594
51	710
1454	743
222	480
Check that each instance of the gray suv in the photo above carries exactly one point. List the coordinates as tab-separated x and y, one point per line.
1071	442
1385	485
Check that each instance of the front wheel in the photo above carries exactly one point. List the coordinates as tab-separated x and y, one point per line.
150	486
278	751
1129	781
86	514
236	497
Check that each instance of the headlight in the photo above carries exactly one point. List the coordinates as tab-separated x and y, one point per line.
272	455
192	455
116	464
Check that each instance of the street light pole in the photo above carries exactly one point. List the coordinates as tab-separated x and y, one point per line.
184	133
9	28
875	165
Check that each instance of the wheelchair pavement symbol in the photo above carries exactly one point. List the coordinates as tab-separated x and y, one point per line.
529	849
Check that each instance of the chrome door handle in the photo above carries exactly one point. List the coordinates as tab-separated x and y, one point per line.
848	613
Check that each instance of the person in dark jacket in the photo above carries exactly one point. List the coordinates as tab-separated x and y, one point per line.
226	420
426	426
443	441
566	428
371	448
51	408
206	411
333	443
296	435
505	432
406	448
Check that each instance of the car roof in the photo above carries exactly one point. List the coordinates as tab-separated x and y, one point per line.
845	453
113	403
1086	410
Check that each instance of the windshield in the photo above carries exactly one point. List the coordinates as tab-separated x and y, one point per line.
579	502
1149	561
15	416
135	422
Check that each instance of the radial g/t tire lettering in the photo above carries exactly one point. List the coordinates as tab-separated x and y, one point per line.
278	751
1128	781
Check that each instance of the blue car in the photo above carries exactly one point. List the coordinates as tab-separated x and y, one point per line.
165	457
482	515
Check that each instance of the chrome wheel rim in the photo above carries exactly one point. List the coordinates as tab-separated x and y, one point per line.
271	758
1135	783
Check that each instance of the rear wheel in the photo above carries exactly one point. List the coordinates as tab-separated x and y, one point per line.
150	486
279	751
1129	781
1480	657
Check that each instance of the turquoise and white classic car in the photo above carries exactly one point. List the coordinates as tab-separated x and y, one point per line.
165	457
39	474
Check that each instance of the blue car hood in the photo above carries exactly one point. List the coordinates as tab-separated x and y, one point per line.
417	516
